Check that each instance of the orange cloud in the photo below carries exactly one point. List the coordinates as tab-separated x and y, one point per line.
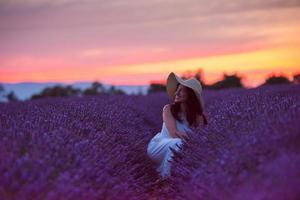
253	65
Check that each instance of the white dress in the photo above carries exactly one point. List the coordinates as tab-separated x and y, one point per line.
158	148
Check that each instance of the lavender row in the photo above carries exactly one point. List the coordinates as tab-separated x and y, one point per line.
95	147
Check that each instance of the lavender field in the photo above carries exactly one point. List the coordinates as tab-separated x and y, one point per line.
95	148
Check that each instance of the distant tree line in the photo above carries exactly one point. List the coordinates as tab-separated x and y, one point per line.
68	91
228	81
10	96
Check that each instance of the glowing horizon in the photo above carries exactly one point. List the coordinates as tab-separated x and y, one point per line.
71	41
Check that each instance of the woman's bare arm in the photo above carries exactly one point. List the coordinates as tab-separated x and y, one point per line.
170	122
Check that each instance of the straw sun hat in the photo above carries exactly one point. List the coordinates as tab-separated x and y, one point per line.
192	83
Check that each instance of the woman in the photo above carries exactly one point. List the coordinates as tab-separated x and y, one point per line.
185	111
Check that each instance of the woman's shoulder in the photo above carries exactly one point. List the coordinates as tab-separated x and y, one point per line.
167	108
167	112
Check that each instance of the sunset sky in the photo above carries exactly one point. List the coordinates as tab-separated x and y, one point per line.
139	41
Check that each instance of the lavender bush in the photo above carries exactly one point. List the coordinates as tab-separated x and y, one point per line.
95	147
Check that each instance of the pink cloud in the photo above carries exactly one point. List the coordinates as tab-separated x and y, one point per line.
73	33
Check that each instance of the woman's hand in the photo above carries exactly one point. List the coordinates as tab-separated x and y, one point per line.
182	135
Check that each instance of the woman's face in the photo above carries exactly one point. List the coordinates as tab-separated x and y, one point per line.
181	94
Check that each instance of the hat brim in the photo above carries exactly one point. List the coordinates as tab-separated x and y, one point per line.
171	87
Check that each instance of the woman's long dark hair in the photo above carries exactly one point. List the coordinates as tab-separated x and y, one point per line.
193	108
